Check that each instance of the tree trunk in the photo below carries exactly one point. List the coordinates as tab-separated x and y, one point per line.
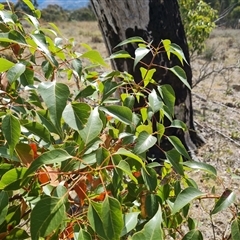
153	20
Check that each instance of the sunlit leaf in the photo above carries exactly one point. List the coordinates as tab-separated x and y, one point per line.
155	101
185	197
11	130
140	53
228	197
130	221
95	57
46	217
93	127
25	153
201	166
120	54
152	230
179	72
5	64
131	40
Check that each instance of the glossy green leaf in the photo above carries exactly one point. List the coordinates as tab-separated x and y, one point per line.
3	206
140	53
77	66
235	229
95	57
168	95
81	235
76	115
124	166
120	54
46	217
112	218
11	130
175	159
95	219
40	41
50	157
193	235
13	37
185	197
155	101
93	127
227	198
177	51
151	204
130	221
5	64
123	114
27	77
55	96
178	124
131	40
201	166
86	92
179	72
152	230
11	180
38	130
144	142
124	152
150	178
15	72
177	144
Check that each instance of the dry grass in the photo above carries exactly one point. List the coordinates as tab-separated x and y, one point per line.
216	102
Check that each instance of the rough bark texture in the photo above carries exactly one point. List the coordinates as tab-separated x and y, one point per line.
152	20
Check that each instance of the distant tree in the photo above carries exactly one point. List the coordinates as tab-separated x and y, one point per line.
20	5
83	14
54	13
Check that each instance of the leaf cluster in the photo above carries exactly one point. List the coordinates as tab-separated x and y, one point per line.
73	156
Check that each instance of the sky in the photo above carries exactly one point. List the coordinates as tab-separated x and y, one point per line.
69	4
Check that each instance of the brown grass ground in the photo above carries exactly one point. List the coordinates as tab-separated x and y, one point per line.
216	102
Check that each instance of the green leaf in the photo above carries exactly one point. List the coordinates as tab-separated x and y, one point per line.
51	157
95	57
27	77
168	95
13	37
227	198
152	230
77	66
15	72
123	114
131	40
86	92
177	144
140	53
38	130
175	159
95	219
155	101
235	229
93	127
177	51
120	54
180	73
11	130
55	96
185	197
178	124
3	206
81	235
11	180
130	221
166	44
76	115
40	41
150	178
46	217
29	4
147	75
5	64
193	235
201	166
151	204
144	142
124	166
124	152
112	218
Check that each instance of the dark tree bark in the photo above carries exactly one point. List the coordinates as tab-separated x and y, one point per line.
153	20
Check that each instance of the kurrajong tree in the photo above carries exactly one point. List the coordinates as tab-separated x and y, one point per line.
153	20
